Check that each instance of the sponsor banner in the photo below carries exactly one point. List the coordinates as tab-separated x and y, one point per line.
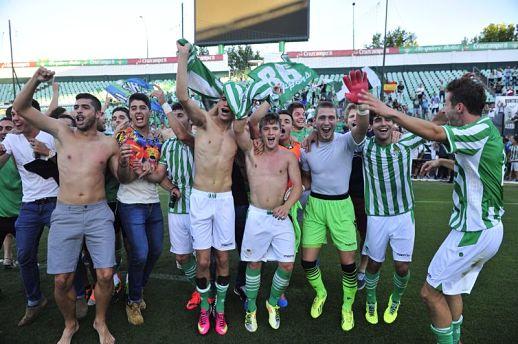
459	47
104	62
338	53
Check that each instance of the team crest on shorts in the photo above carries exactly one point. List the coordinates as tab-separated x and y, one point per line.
248	252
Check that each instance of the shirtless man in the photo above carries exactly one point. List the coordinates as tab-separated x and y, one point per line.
81	211
212	207
269	232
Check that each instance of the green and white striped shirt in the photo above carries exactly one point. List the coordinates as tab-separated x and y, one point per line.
386	176
179	161
479	175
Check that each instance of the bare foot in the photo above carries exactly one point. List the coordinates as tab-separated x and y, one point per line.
105	337
68	333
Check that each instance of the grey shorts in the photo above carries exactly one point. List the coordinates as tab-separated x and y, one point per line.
69	224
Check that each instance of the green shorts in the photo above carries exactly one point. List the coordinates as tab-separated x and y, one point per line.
335	215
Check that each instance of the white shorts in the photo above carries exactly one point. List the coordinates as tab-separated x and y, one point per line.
457	263
514	166
267	238
212	220
399	230
180	233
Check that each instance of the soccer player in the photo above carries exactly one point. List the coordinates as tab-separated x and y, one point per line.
476	221
81	210
389	204
212	208
269	234
299	131
326	169
177	160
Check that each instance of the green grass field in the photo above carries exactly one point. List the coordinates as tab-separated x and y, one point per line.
488	310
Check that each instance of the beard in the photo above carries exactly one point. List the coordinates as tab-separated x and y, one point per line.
88	123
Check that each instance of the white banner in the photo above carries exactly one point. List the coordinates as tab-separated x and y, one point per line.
508	107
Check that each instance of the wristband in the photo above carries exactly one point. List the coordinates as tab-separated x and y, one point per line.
167	108
363	110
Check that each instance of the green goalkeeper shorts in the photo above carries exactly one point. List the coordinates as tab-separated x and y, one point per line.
335	215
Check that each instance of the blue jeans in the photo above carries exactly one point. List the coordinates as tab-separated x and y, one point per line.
143	226
29	226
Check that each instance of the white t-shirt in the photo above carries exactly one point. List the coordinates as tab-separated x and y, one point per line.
138	191
34	187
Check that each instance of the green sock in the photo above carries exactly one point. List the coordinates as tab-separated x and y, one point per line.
456	324
189	268
349	285
253	281
204	295
371	282
315	279
221	294
400	283
280	282
443	335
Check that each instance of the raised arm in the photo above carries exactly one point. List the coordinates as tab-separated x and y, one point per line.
256	117
425	129
106	103
356	82
362	125
197	115
54	101
242	133
179	129
23	104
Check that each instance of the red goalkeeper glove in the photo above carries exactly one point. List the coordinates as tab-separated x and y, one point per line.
356	81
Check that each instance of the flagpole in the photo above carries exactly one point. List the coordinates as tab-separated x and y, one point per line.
382	95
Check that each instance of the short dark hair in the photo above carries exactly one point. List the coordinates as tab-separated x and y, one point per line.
63	115
177	106
123	109
95	102
285	112
9	112
295	105
139	96
325	104
269	118
57	112
469	92
6	118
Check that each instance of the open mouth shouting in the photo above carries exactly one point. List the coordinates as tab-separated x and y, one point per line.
80	119
139	119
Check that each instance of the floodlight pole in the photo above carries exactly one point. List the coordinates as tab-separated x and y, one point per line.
147	38
353	23
12	60
382	95
182	21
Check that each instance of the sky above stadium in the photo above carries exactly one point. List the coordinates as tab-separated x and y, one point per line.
94	29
